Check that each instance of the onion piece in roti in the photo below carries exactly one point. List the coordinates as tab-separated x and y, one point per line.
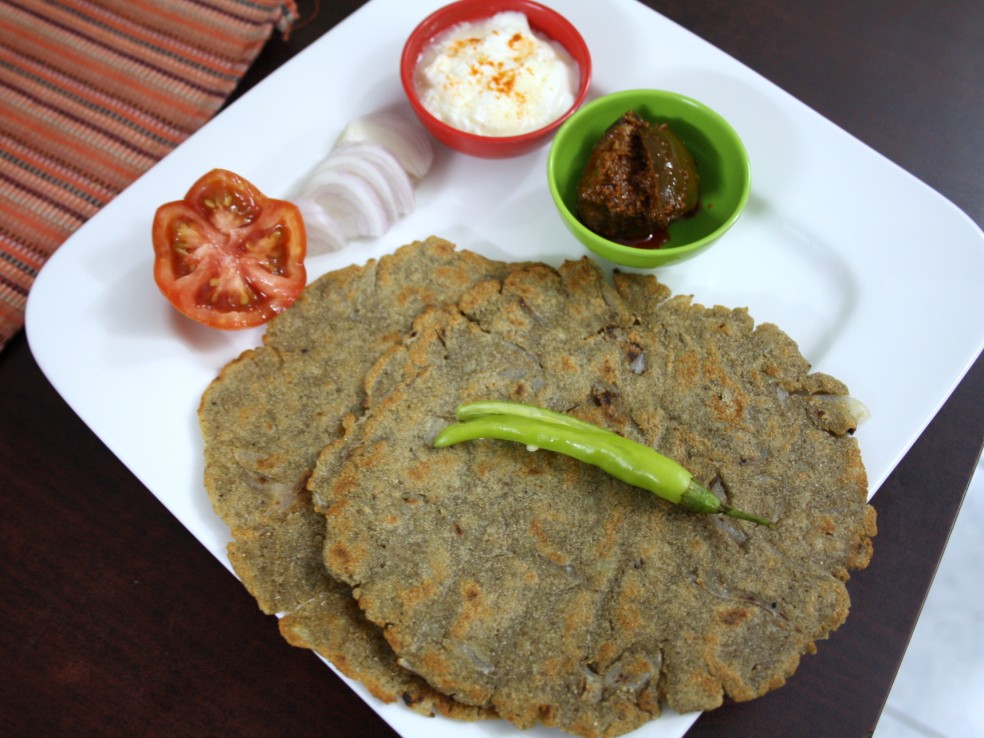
546	590
269	413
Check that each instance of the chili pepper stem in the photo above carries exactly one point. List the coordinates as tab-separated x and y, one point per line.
741	515
700	499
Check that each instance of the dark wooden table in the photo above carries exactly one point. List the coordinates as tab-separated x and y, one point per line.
115	621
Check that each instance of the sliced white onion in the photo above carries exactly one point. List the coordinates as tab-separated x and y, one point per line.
405	138
351	201
364	183
324	234
379	168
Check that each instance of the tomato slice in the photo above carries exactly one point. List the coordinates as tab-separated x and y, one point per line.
227	255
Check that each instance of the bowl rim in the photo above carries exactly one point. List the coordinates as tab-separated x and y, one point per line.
434	24
633	253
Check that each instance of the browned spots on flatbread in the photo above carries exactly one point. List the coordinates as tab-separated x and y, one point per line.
340	557
686	365
474	608
420	593
347	482
733	615
544	545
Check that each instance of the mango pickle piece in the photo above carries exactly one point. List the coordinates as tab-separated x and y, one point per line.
639	178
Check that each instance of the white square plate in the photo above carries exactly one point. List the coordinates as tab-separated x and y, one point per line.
828	249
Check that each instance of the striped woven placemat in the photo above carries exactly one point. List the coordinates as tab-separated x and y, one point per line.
92	94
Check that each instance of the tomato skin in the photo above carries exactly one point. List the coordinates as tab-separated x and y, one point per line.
228	256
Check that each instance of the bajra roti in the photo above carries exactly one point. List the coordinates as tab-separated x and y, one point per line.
546	590
270	412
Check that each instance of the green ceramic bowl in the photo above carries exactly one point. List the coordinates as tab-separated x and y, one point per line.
721	159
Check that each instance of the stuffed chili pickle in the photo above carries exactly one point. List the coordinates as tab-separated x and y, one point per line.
622	458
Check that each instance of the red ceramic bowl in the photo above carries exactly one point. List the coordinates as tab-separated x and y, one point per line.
542	20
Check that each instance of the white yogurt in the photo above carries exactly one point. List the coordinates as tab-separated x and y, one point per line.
496	77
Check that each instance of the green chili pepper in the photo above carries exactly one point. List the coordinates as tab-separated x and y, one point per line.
474	410
623	458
